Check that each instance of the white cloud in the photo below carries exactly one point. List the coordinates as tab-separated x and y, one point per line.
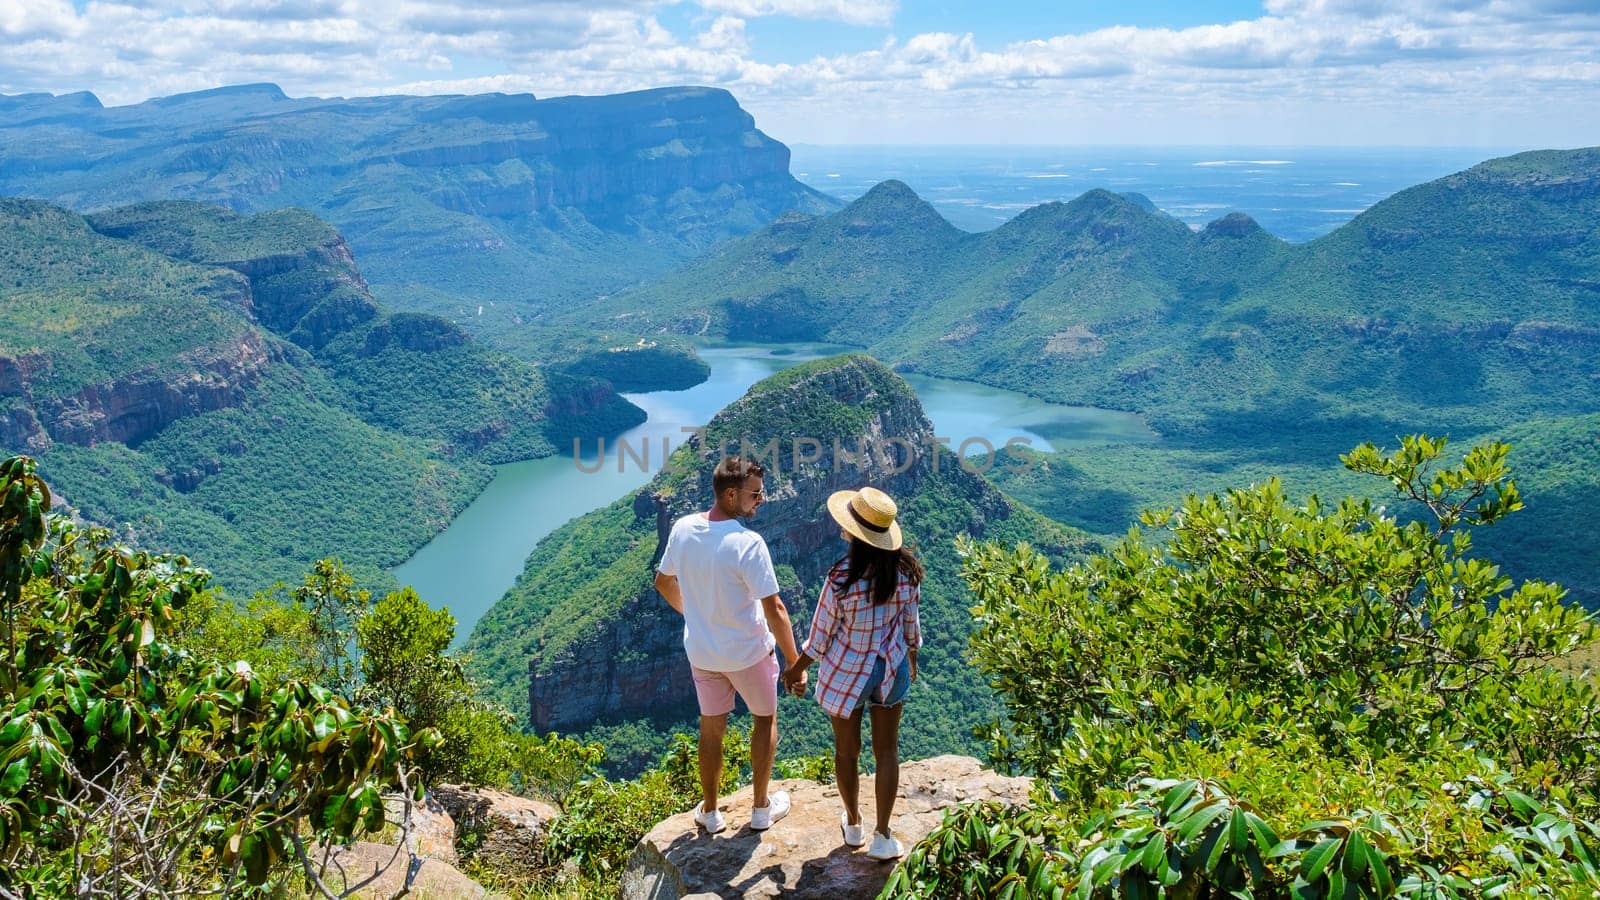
1309	68
28	19
854	12
726	34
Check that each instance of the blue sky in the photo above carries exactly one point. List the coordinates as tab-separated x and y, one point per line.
1281	72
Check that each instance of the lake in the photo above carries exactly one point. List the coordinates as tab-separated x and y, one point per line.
471	564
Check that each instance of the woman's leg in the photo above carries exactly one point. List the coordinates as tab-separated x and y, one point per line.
886	753
846	755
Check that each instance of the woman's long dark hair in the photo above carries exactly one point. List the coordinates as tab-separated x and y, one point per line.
882	569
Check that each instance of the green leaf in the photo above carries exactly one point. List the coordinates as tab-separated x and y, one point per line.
1177	796
253	849
1355	856
1380	872
1317	858
1197	823
94	716
13	731
323	725
1238	830
1155	852
16	775
1266	839
1524	804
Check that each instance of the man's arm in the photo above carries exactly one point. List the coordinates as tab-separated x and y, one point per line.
668	586
778	622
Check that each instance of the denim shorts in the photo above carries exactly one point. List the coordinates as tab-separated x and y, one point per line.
897	693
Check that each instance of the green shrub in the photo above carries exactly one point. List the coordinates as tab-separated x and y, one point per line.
1311	700
129	766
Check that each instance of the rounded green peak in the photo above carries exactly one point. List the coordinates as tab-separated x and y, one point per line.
1234	225
1100	198
888	195
891	206
822	398
819	374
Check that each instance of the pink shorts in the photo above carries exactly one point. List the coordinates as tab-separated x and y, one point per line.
757	685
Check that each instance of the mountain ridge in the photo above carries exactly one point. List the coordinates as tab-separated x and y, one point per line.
517	203
1102	301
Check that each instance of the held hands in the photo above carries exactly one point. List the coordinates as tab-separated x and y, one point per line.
794	681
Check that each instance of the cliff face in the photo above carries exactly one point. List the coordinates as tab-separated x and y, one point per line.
631	663
545	200
301	277
129	410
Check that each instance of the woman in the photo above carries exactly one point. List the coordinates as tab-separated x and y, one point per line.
864	637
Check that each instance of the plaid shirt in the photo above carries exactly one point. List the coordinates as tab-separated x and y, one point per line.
849	632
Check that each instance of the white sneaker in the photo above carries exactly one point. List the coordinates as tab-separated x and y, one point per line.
854	835
712	822
885	848
777	807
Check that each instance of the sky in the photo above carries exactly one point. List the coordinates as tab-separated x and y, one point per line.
1464	73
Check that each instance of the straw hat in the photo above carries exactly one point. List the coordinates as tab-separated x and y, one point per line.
868	515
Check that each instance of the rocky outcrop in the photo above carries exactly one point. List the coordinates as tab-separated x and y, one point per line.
803	856
349	866
433	829
508	831
1554	335
134	408
591	152
21	431
300	277
825	427
312	295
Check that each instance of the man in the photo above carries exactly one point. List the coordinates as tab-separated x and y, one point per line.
718	575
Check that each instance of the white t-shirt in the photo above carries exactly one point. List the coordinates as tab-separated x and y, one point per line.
723	570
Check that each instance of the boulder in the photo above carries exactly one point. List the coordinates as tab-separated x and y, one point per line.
433	829
508	830
804	854
435	880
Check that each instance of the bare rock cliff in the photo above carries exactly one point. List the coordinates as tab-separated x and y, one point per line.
135	407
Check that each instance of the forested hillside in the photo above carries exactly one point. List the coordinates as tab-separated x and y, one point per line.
169	364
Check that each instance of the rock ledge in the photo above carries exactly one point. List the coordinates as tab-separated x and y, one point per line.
804	855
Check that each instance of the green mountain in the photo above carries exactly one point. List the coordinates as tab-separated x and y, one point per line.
1466	306
196	373
582	638
1556	464
486	209
1464	302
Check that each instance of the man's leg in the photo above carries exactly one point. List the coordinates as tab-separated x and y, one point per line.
763	749
712	728
758	685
